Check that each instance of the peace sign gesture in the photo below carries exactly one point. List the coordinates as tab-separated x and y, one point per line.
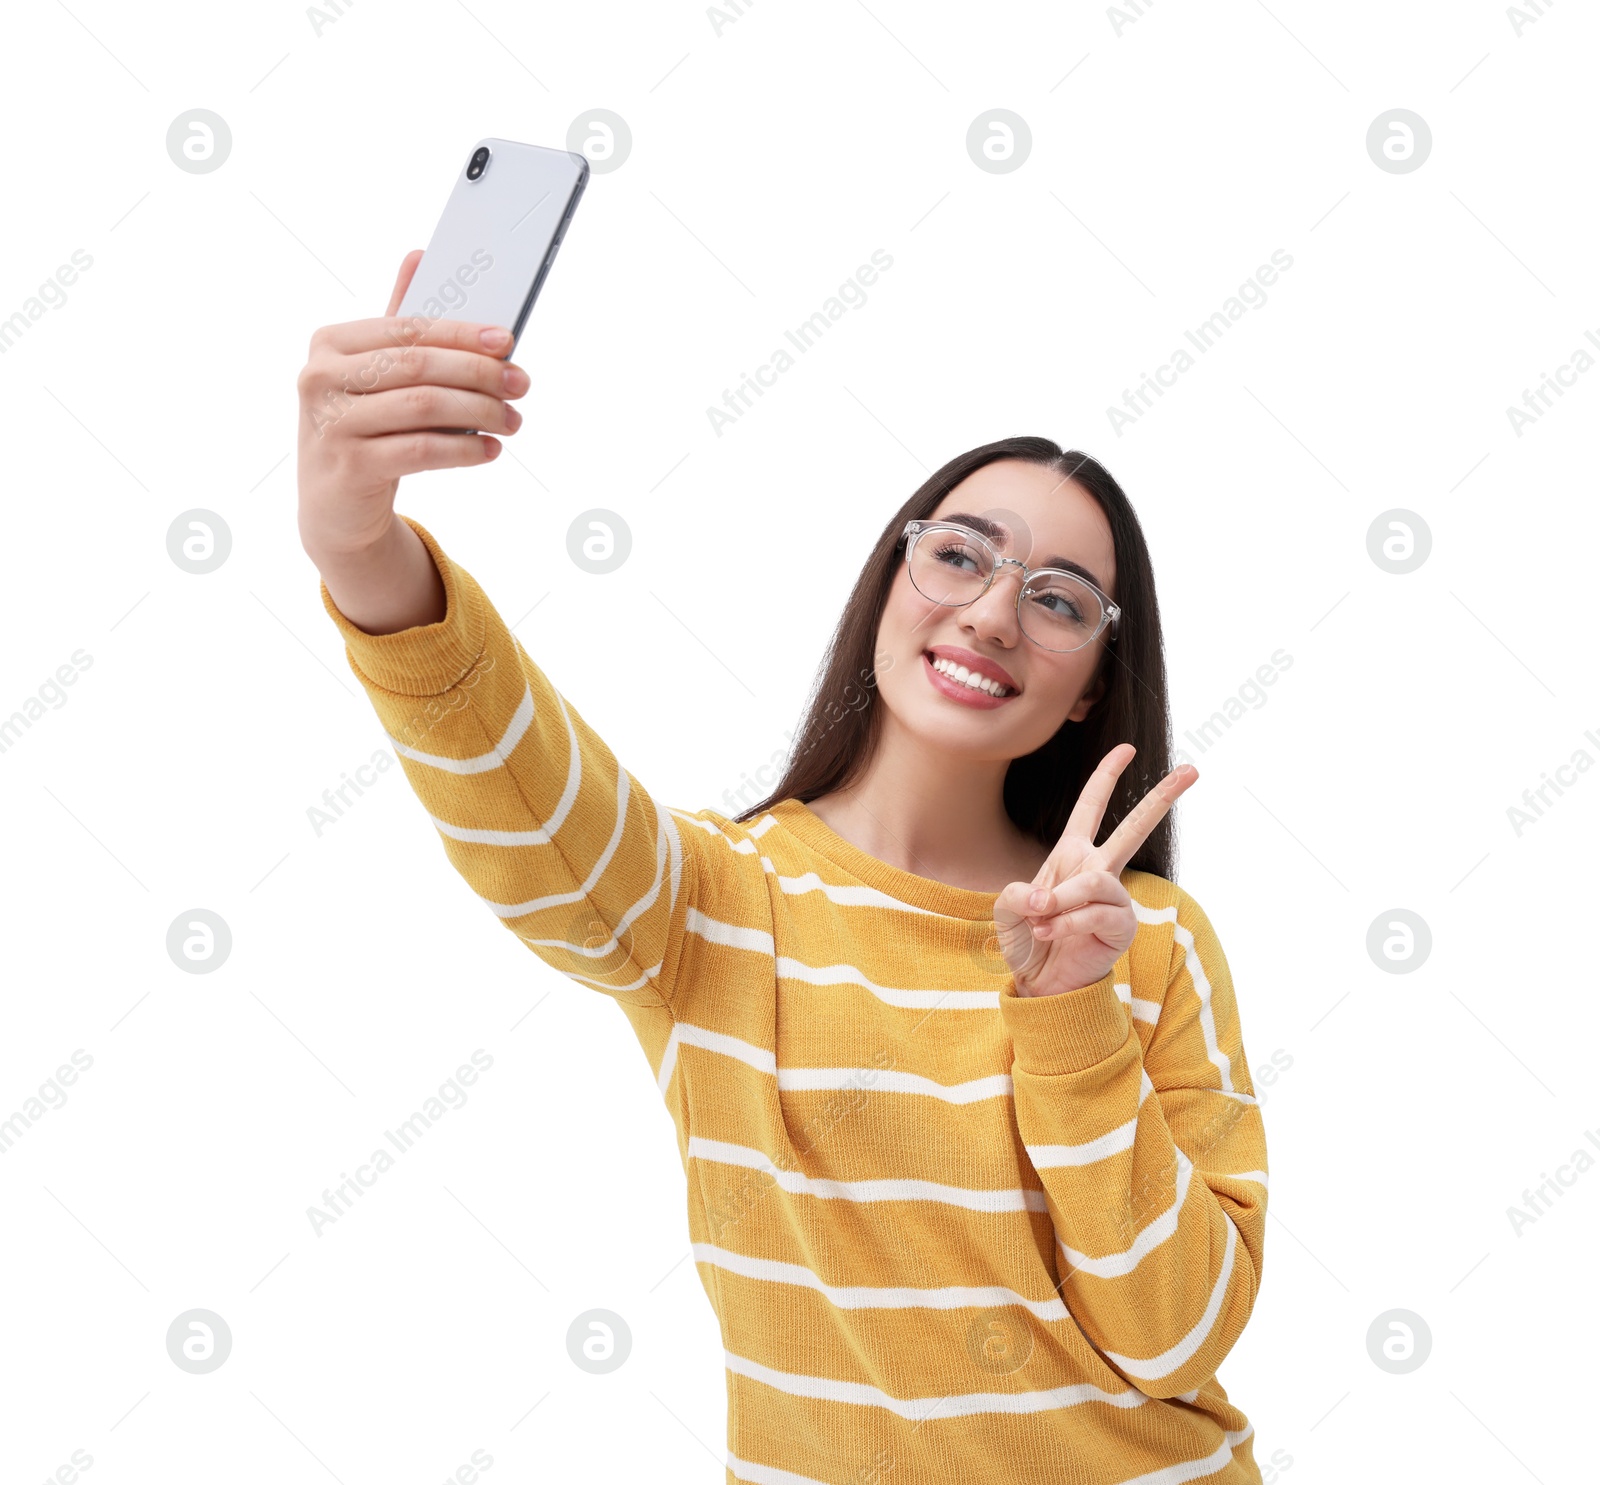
1067	927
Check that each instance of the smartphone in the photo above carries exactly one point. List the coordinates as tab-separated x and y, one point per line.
498	235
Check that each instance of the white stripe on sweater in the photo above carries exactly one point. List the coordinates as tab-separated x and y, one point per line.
960	1404
767	1474
514	732
710	829
559	899
889	1080
521	720
1258	1176
846	894
1195	1469
730	935
634	984
848	974
864	1297
1113	1142
1202	985
1153	1368
1149	1237
821	1079
1012	1199
713	1041
1140	1010
675	842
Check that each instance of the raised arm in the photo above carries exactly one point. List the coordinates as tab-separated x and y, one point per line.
1149	1145
553	834
1152	1156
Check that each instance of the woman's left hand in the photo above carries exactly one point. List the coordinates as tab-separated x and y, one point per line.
1084	920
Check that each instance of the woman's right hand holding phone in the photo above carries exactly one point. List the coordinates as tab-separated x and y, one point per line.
374	397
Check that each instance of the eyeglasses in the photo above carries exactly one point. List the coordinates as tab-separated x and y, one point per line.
952	564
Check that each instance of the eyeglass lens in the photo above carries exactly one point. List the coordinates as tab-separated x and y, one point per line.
1057	611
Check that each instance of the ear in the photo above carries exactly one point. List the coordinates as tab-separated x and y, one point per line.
1084	704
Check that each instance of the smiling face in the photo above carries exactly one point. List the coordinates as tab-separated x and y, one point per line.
1044	517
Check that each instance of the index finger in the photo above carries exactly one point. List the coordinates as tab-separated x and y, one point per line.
1118	848
1091	806
402	282
390	332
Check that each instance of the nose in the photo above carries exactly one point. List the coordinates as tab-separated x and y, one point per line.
994	614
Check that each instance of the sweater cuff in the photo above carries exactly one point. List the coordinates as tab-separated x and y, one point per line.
1067	1032
427	659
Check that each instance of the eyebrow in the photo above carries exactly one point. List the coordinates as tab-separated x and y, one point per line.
999	536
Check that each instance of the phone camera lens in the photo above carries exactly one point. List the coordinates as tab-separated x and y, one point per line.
478	163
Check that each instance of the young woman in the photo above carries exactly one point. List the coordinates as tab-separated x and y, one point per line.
976	1179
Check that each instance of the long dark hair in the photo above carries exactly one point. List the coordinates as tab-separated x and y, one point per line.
842	714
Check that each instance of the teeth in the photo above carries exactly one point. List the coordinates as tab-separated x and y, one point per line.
969	678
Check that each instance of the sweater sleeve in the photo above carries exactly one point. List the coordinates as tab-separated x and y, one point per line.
1152	1155
555	836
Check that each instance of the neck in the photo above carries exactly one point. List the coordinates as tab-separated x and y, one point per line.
933	814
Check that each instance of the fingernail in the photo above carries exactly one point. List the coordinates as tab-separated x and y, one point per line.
495	338
513	419
1039	898
515	379
491	447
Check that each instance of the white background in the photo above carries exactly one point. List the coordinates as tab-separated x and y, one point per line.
1171	154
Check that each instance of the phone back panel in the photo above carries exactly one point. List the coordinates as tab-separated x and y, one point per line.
497	236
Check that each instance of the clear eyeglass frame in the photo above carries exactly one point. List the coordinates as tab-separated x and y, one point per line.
1109	611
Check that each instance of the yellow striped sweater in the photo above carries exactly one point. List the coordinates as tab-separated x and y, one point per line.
949	1233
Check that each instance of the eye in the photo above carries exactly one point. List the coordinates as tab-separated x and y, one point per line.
955	553
1057	603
